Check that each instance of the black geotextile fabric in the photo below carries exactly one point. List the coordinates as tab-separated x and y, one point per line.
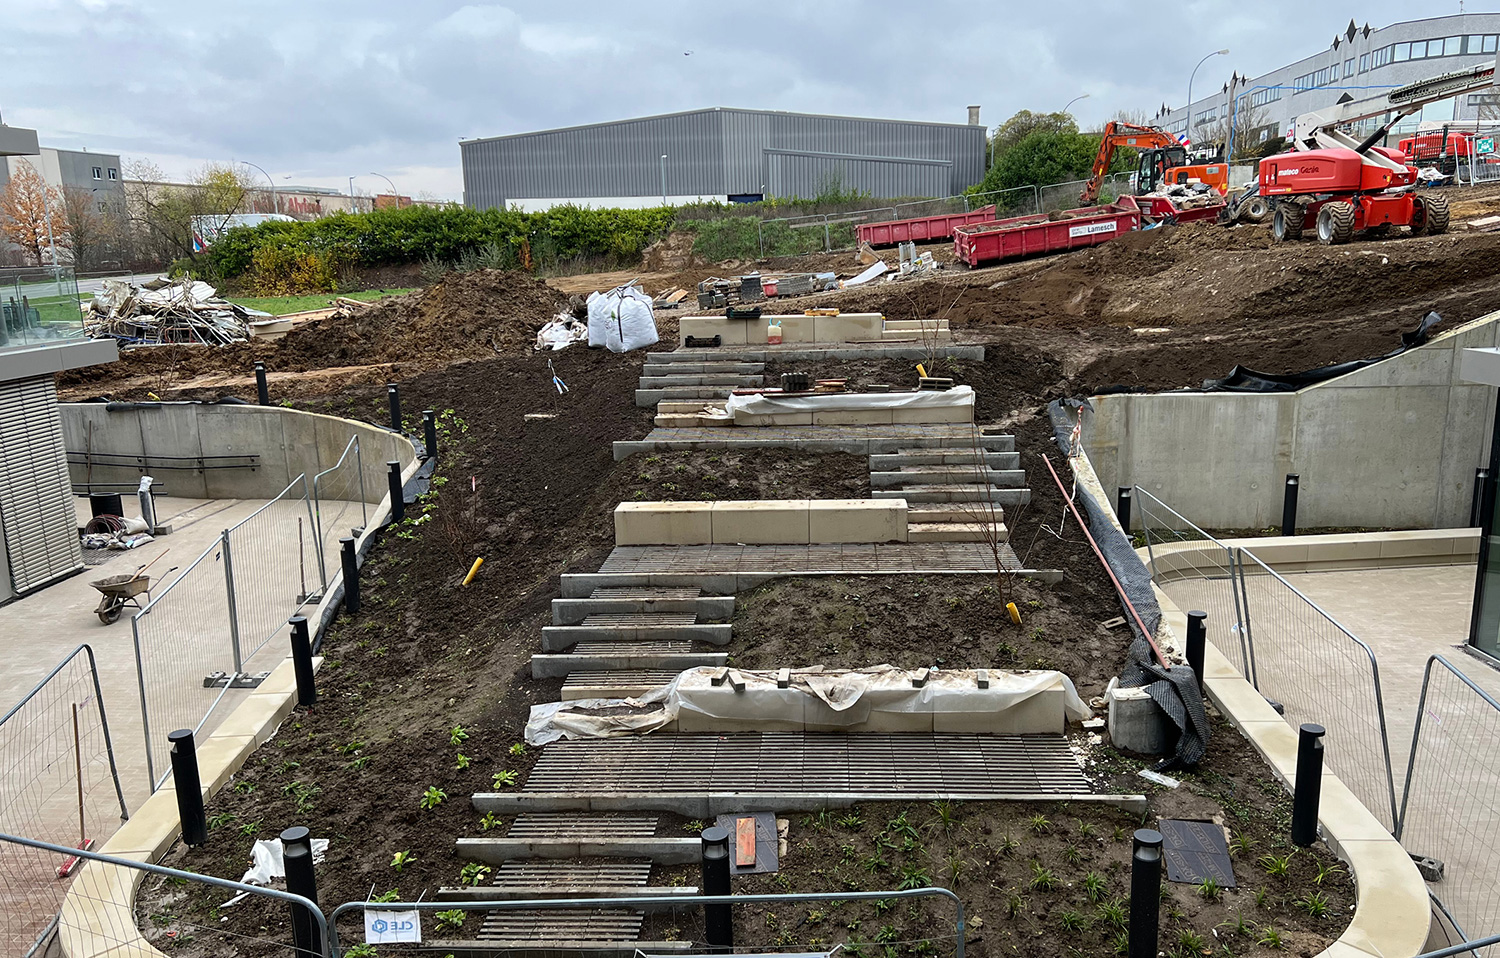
1175	689
1242	380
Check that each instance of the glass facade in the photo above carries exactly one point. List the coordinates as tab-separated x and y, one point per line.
39	306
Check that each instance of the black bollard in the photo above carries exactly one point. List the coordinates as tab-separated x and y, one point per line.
393	396
1309	788
1481	476
262	392
718	920
398	496
429	432
1122	508
1145	893
1197	637
296	852
302	662
189	787
351	575
1289	506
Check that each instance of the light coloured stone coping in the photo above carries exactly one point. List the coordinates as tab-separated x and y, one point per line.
1392	910
843	328
1323	553
101	901
761	522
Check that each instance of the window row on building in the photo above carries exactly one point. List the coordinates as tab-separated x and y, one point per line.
1428	49
114	173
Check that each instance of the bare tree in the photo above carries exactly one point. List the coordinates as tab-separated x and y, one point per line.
168	219
1249	123
89	230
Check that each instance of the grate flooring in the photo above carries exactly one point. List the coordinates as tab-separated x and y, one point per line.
632	647
997	765
643	593
621	677
580	827
853	558
549	927
553	874
633	620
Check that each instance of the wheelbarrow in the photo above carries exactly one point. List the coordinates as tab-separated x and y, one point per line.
118	591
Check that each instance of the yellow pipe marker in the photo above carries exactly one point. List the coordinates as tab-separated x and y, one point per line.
1015	613
473	570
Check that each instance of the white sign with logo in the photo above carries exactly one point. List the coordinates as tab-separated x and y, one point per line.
393	927
1092	229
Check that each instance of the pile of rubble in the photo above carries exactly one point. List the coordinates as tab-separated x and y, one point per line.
163	311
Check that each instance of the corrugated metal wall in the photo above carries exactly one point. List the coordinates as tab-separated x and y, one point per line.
722	152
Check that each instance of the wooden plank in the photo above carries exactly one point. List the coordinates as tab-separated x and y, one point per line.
744	842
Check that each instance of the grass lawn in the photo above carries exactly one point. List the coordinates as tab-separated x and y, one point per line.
281	305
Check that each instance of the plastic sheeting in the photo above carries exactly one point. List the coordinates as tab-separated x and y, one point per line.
1244	380
1175	689
767	403
844	699
621	320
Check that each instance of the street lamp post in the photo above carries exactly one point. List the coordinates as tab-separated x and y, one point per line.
1191	76
394	195
664	179
275	200
352	207
1081	96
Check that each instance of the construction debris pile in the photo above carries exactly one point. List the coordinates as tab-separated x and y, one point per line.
162	311
1189	196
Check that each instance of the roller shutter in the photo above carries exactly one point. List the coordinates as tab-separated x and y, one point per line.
36	497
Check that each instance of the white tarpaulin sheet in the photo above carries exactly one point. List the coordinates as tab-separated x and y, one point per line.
763	403
829	699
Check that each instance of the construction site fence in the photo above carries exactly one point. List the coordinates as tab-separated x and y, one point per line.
1449	810
59	781
199	641
1060	197
1286	645
96	910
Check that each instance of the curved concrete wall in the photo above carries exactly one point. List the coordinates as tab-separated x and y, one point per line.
1395	444
289	443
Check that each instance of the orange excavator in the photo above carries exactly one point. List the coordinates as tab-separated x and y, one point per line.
1163	161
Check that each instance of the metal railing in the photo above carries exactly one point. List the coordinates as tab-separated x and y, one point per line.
98	916
336	490
1204	578
1449	806
59	781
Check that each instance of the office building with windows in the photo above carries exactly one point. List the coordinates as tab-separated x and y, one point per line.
1362	62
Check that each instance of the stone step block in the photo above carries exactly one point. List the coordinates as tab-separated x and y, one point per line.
954	492
727	368
956	532
944	457
650	397
708	608
498	851
904	324
555	638
954	512
702	379
947	475
548	666
691	422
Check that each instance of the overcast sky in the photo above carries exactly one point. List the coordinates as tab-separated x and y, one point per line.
318	90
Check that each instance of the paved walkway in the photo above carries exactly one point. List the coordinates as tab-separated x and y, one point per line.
847	559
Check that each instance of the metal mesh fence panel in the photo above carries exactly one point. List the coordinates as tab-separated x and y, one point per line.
339	503
61	784
1449	809
274	565
103	914
1300	652
1066	196
1197	577
181	636
1019	201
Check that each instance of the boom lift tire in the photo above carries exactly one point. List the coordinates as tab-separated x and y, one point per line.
1286	222
1437	214
1335	223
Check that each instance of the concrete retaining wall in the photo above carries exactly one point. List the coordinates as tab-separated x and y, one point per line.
289	443
760	522
1395	444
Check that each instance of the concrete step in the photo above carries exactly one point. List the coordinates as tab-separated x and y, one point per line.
702	379
691	422
650	397
493	893
555	638
956	532
685	407
954	492
903	324
947	475
580	585
916	335
621	659
942	457
700	356
954	512
703	368
665	851
614	685
708	608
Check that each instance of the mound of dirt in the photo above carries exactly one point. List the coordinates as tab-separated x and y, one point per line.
671	253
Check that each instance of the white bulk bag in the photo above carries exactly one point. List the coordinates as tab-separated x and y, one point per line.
621	319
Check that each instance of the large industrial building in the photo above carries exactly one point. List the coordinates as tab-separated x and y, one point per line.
1361	62
721	154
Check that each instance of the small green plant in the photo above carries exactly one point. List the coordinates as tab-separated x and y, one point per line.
222	819
848	853
1042	879
1039	824
1262	899
695	826
432	798
1007	845
1094	887
874	863
489	821
1316	905
393	895
449	920
358	764
1210	890
1241	926
457	735
505	779
1015	905
361	950
914	876
946	814
1118	835
1240	844
1120	943
901	827
1069	920
401	859
1114	914
1277	866
250	828
1072	856
473	873
1087	829
816	916
244	788
462	762
516	750
1270	938
350	748
851	821
1327	871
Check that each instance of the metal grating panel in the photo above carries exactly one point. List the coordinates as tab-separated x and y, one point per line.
554	874
36	495
630	647
635	620
643	593
561	925
546	825
622	677
812	762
